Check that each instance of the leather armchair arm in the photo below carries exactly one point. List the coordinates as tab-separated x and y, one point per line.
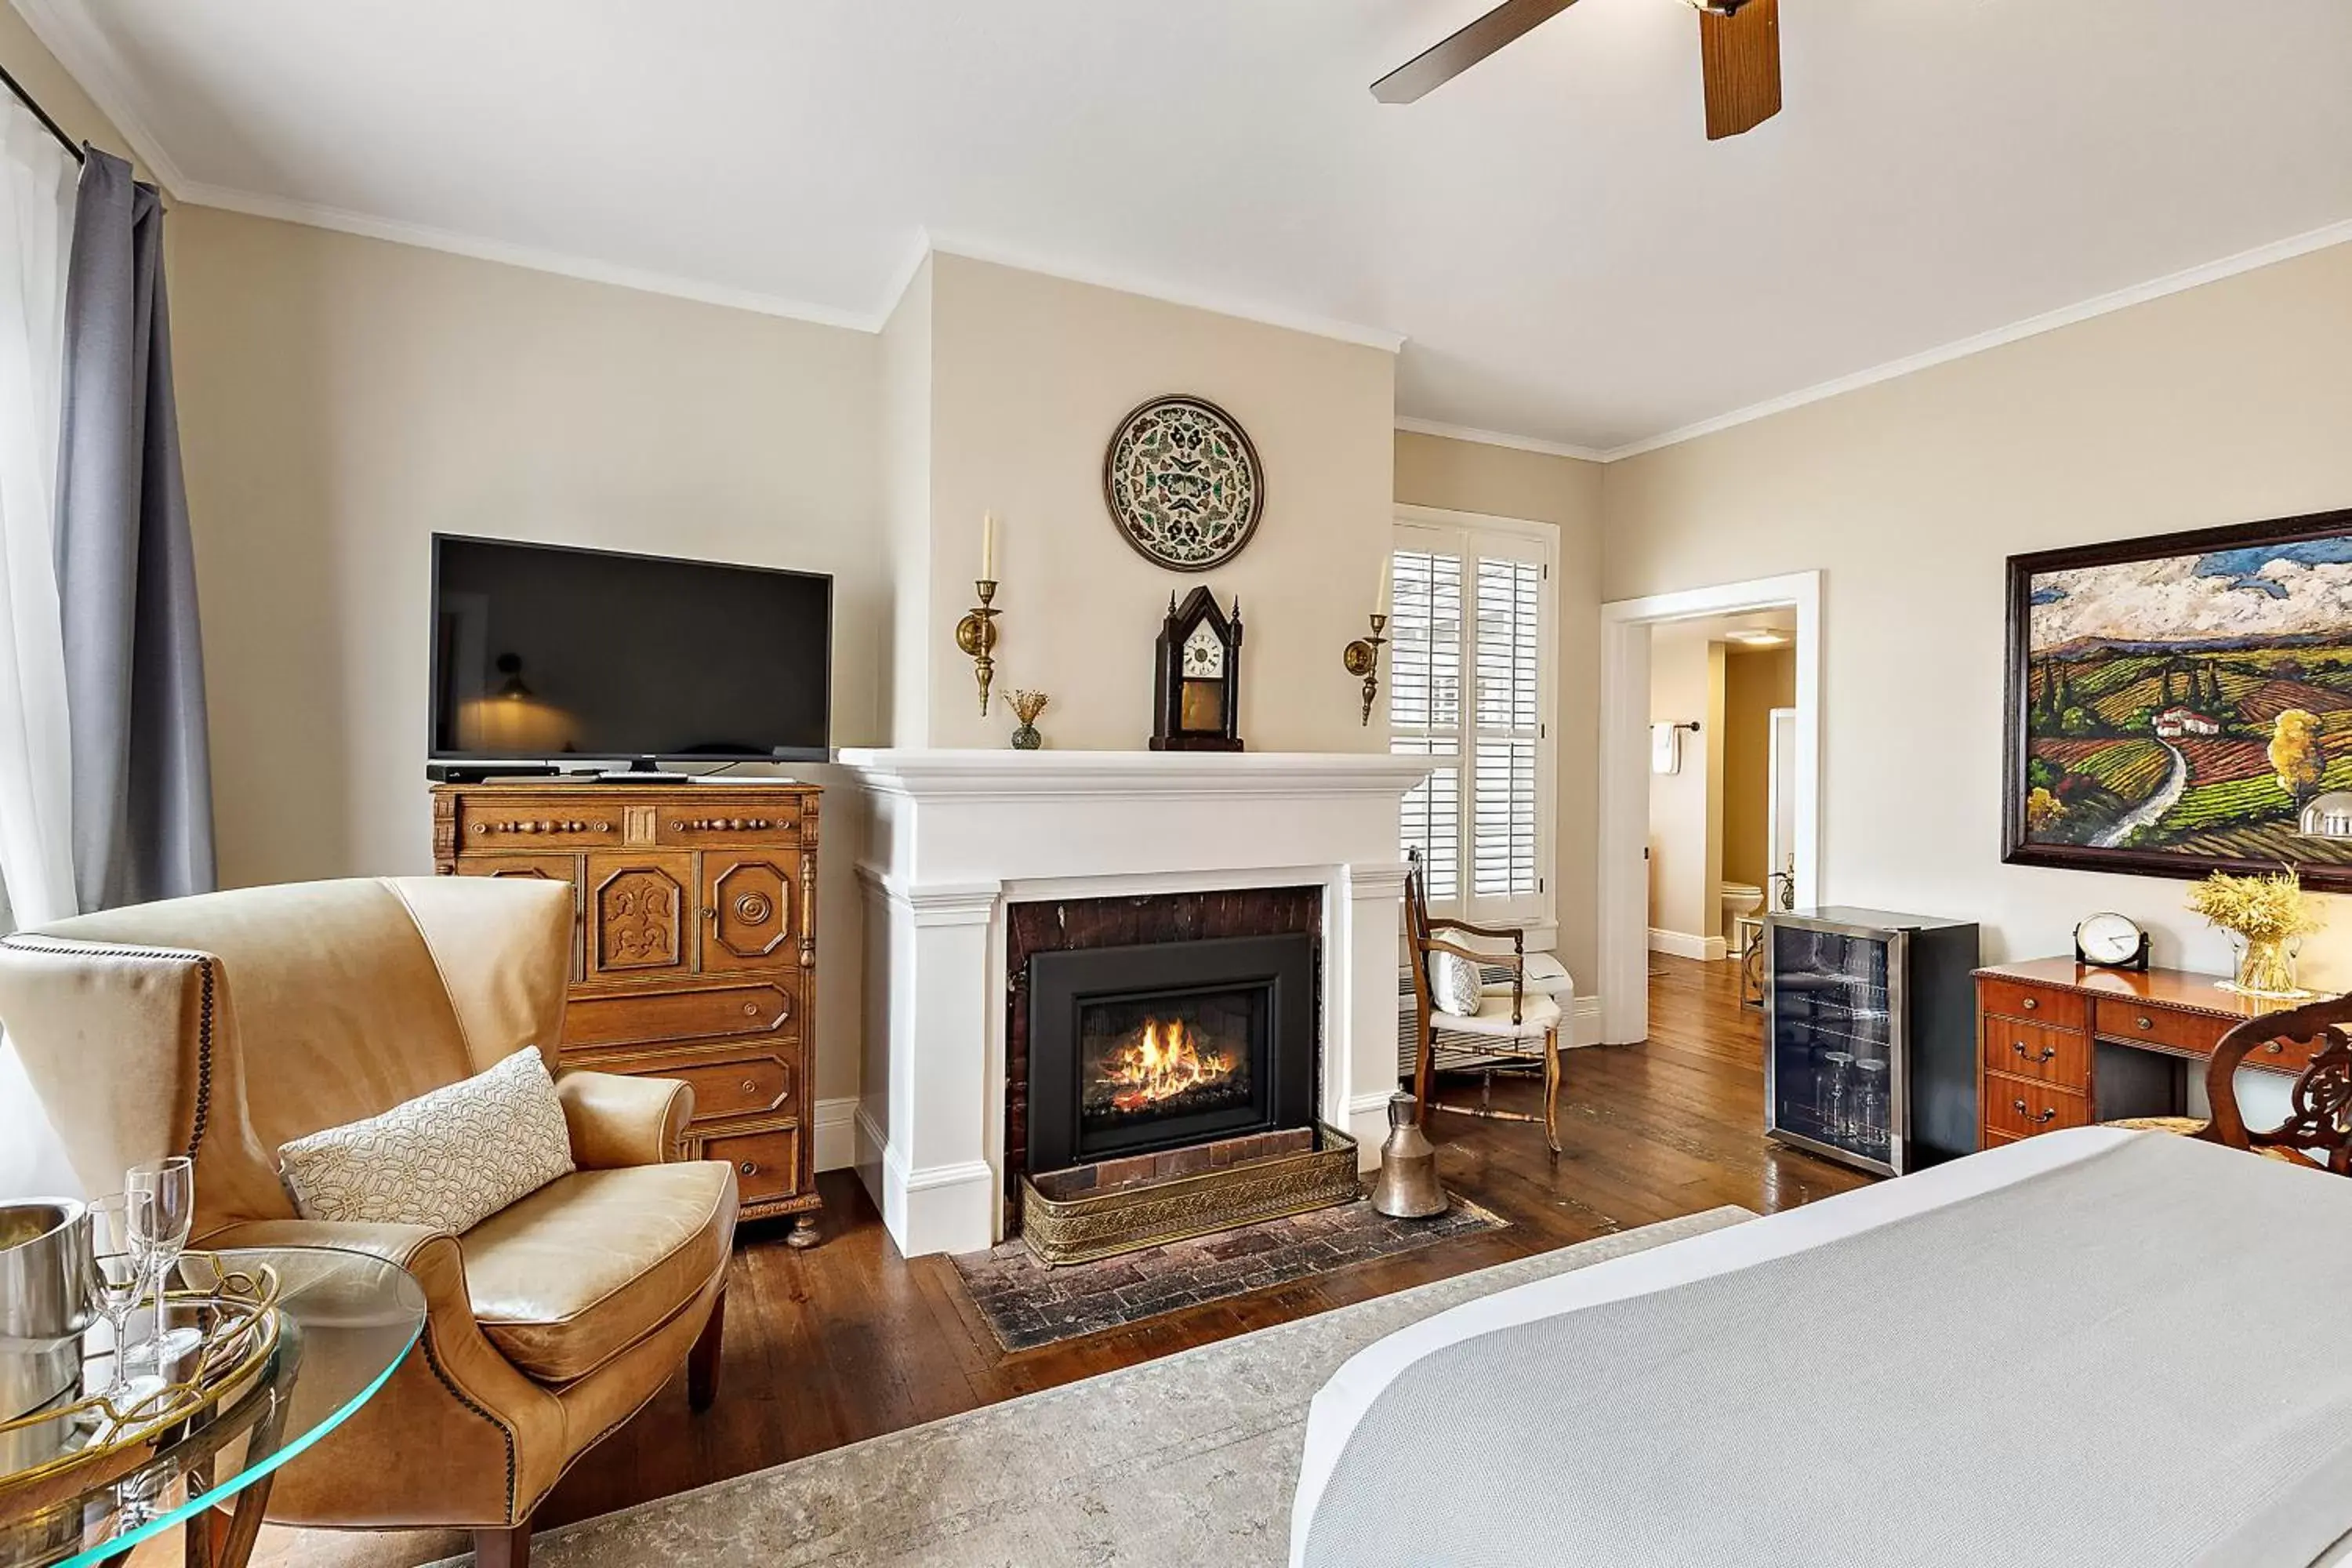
459	1435
617	1120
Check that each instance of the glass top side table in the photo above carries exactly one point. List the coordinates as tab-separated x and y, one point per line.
349	1320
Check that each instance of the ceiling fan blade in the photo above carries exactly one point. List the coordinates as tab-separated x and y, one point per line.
1441	63
1739	55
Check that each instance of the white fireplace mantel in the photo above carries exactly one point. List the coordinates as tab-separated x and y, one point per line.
955	836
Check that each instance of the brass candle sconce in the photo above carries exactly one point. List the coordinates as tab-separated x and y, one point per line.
976	636
1362	658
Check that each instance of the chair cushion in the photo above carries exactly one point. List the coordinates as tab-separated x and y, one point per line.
579	1270
1493	1018
1452	983
2188	1126
449	1159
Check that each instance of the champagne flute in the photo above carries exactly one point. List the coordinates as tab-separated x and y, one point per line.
159	1225
115	1277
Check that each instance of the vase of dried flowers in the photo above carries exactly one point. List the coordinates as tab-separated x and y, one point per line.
2267	918
1026	706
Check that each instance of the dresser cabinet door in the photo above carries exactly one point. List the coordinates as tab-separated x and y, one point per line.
640	915
749	899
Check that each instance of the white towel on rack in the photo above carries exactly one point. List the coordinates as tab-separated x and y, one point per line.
1665	749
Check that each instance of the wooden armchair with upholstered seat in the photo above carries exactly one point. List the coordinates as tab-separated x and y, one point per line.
1515	1025
225	1025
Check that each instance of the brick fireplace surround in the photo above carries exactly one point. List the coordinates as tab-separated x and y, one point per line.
957	840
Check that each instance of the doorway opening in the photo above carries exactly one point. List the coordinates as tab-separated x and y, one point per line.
1710	777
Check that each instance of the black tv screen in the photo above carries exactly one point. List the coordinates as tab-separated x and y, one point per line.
541	652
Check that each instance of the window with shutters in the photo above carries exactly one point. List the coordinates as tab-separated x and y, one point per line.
1469	679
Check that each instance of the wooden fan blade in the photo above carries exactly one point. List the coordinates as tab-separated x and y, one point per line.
1740	56
1440	64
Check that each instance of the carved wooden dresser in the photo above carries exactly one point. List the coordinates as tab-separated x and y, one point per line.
694	948
2062	1044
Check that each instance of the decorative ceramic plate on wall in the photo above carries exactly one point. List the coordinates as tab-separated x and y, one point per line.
1183	483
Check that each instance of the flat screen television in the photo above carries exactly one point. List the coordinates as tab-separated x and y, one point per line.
544	653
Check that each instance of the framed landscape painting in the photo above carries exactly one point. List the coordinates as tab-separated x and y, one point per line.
2175	702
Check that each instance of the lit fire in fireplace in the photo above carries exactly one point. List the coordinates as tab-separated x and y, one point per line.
1160	1061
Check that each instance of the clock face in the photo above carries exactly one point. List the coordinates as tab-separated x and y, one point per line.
2107	937
1205	654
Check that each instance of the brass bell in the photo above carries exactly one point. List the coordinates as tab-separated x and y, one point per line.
1408	1187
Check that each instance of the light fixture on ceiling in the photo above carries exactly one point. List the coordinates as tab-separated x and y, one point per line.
1756	637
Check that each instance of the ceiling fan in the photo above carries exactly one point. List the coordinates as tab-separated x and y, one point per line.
1739	48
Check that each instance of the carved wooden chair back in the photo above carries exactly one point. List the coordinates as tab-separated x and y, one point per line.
2318	1127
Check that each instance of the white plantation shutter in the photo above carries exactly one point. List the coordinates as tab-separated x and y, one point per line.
1505	808
1425	705
1469	687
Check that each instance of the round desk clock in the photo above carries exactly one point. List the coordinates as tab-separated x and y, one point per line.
2110	941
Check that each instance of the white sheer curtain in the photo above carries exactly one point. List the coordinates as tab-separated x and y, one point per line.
36	196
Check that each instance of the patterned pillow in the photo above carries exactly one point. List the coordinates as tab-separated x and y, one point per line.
449	1159
1453	984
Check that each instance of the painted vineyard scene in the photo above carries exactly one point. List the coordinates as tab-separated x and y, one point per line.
2189	705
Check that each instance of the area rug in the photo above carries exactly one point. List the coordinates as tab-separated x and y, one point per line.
1179	1462
1026	1304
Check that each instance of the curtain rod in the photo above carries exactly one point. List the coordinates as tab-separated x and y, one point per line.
51	126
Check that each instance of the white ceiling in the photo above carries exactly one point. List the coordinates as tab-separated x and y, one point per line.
1566	257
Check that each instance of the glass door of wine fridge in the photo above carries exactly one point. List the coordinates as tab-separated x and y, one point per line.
1834	1047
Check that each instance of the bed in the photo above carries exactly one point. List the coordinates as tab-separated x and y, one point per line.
2092	1346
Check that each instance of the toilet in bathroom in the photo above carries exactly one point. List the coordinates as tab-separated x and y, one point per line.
1740	899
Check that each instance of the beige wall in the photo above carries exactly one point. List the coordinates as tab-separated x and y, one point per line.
2225	404
341	399
1534	487
1754	683
905	451
1686	806
1029	375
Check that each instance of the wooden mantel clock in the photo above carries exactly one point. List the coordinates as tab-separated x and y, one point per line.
1197	705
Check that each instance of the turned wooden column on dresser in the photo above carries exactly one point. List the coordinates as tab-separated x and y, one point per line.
694	949
2063	1044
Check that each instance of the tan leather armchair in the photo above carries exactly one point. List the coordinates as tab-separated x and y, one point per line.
223	1026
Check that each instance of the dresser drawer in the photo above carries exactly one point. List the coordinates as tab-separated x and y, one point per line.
767	1163
719	826
739	1084
2036	1004
654	1017
2194	1033
2061	1057
2022	1107
526	824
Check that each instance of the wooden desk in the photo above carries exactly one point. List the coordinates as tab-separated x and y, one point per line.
2041	1027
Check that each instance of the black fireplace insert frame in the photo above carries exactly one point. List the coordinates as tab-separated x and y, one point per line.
1063	983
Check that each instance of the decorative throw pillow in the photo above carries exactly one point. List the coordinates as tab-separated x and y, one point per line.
1453	984
450	1158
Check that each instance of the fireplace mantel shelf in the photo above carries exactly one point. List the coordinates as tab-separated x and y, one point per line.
1042	774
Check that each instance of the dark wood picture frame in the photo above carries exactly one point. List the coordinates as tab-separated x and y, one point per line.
2016	849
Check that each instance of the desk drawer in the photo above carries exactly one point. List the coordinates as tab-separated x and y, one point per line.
2038	1004
2191	1033
2022	1107
2282	1056
2061	1057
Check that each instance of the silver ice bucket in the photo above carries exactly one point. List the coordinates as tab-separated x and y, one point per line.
45	1254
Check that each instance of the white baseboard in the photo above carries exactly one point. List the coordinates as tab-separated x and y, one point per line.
1688	944
1584	1022
835	1127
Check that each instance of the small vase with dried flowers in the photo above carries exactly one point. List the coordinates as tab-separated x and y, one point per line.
2267	918
1026	706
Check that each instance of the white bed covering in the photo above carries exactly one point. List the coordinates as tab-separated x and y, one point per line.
1343	1402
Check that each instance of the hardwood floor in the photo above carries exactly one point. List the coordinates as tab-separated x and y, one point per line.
849	1340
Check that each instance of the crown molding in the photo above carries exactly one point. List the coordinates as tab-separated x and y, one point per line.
1501	438
67	30
341	221
2253	260
1211	301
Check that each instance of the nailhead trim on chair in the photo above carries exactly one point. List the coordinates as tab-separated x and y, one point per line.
204	964
425	1341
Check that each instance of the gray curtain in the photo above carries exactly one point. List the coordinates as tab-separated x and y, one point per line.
143	807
